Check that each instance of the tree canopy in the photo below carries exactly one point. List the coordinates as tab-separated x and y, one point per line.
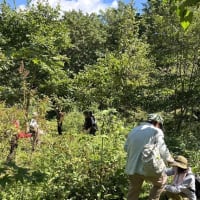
117	58
117	63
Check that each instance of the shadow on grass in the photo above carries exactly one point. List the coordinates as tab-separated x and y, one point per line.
12	173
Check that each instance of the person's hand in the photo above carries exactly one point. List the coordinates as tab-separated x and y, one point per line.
167	187
163	179
170	160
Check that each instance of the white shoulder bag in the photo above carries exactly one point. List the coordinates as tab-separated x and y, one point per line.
153	164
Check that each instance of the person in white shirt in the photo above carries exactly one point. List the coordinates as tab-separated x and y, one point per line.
136	140
34	130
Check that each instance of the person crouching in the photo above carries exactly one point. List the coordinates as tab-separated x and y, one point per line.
183	184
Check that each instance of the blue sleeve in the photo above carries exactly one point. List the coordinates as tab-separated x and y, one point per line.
169	171
175	189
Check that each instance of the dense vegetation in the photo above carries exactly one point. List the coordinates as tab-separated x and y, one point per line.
118	63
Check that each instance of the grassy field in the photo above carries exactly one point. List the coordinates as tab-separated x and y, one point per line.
71	166
76	166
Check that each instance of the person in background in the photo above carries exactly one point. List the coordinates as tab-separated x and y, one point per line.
34	130
60	119
136	140
89	122
94	122
13	148
183	184
13	141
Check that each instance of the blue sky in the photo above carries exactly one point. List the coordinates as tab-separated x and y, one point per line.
85	5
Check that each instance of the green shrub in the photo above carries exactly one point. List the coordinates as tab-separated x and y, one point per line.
75	165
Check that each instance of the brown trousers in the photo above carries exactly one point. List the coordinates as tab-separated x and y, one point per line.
13	148
35	138
136	182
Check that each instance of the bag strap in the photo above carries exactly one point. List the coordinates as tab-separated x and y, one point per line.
155	138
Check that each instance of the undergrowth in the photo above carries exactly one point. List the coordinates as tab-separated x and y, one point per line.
75	166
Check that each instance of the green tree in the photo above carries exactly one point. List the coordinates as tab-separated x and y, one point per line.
121	27
88	38
184	9
35	37
174	81
118	79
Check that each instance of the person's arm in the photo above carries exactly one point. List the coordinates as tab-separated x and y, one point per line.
178	188
175	189
126	145
164	151
187	184
170	171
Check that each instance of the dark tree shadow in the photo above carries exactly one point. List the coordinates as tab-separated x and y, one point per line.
11	173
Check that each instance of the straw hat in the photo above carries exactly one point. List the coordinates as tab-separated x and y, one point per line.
180	161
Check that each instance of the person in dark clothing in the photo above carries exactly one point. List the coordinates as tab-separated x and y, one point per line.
13	148
14	141
60	118
94	123
92	117
89	124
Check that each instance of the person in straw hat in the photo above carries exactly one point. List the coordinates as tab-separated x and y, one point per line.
183	184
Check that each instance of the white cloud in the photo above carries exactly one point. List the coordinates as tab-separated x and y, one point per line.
21	7
87	6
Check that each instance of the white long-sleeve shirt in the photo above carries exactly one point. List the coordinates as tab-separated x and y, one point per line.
33	124
136	140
